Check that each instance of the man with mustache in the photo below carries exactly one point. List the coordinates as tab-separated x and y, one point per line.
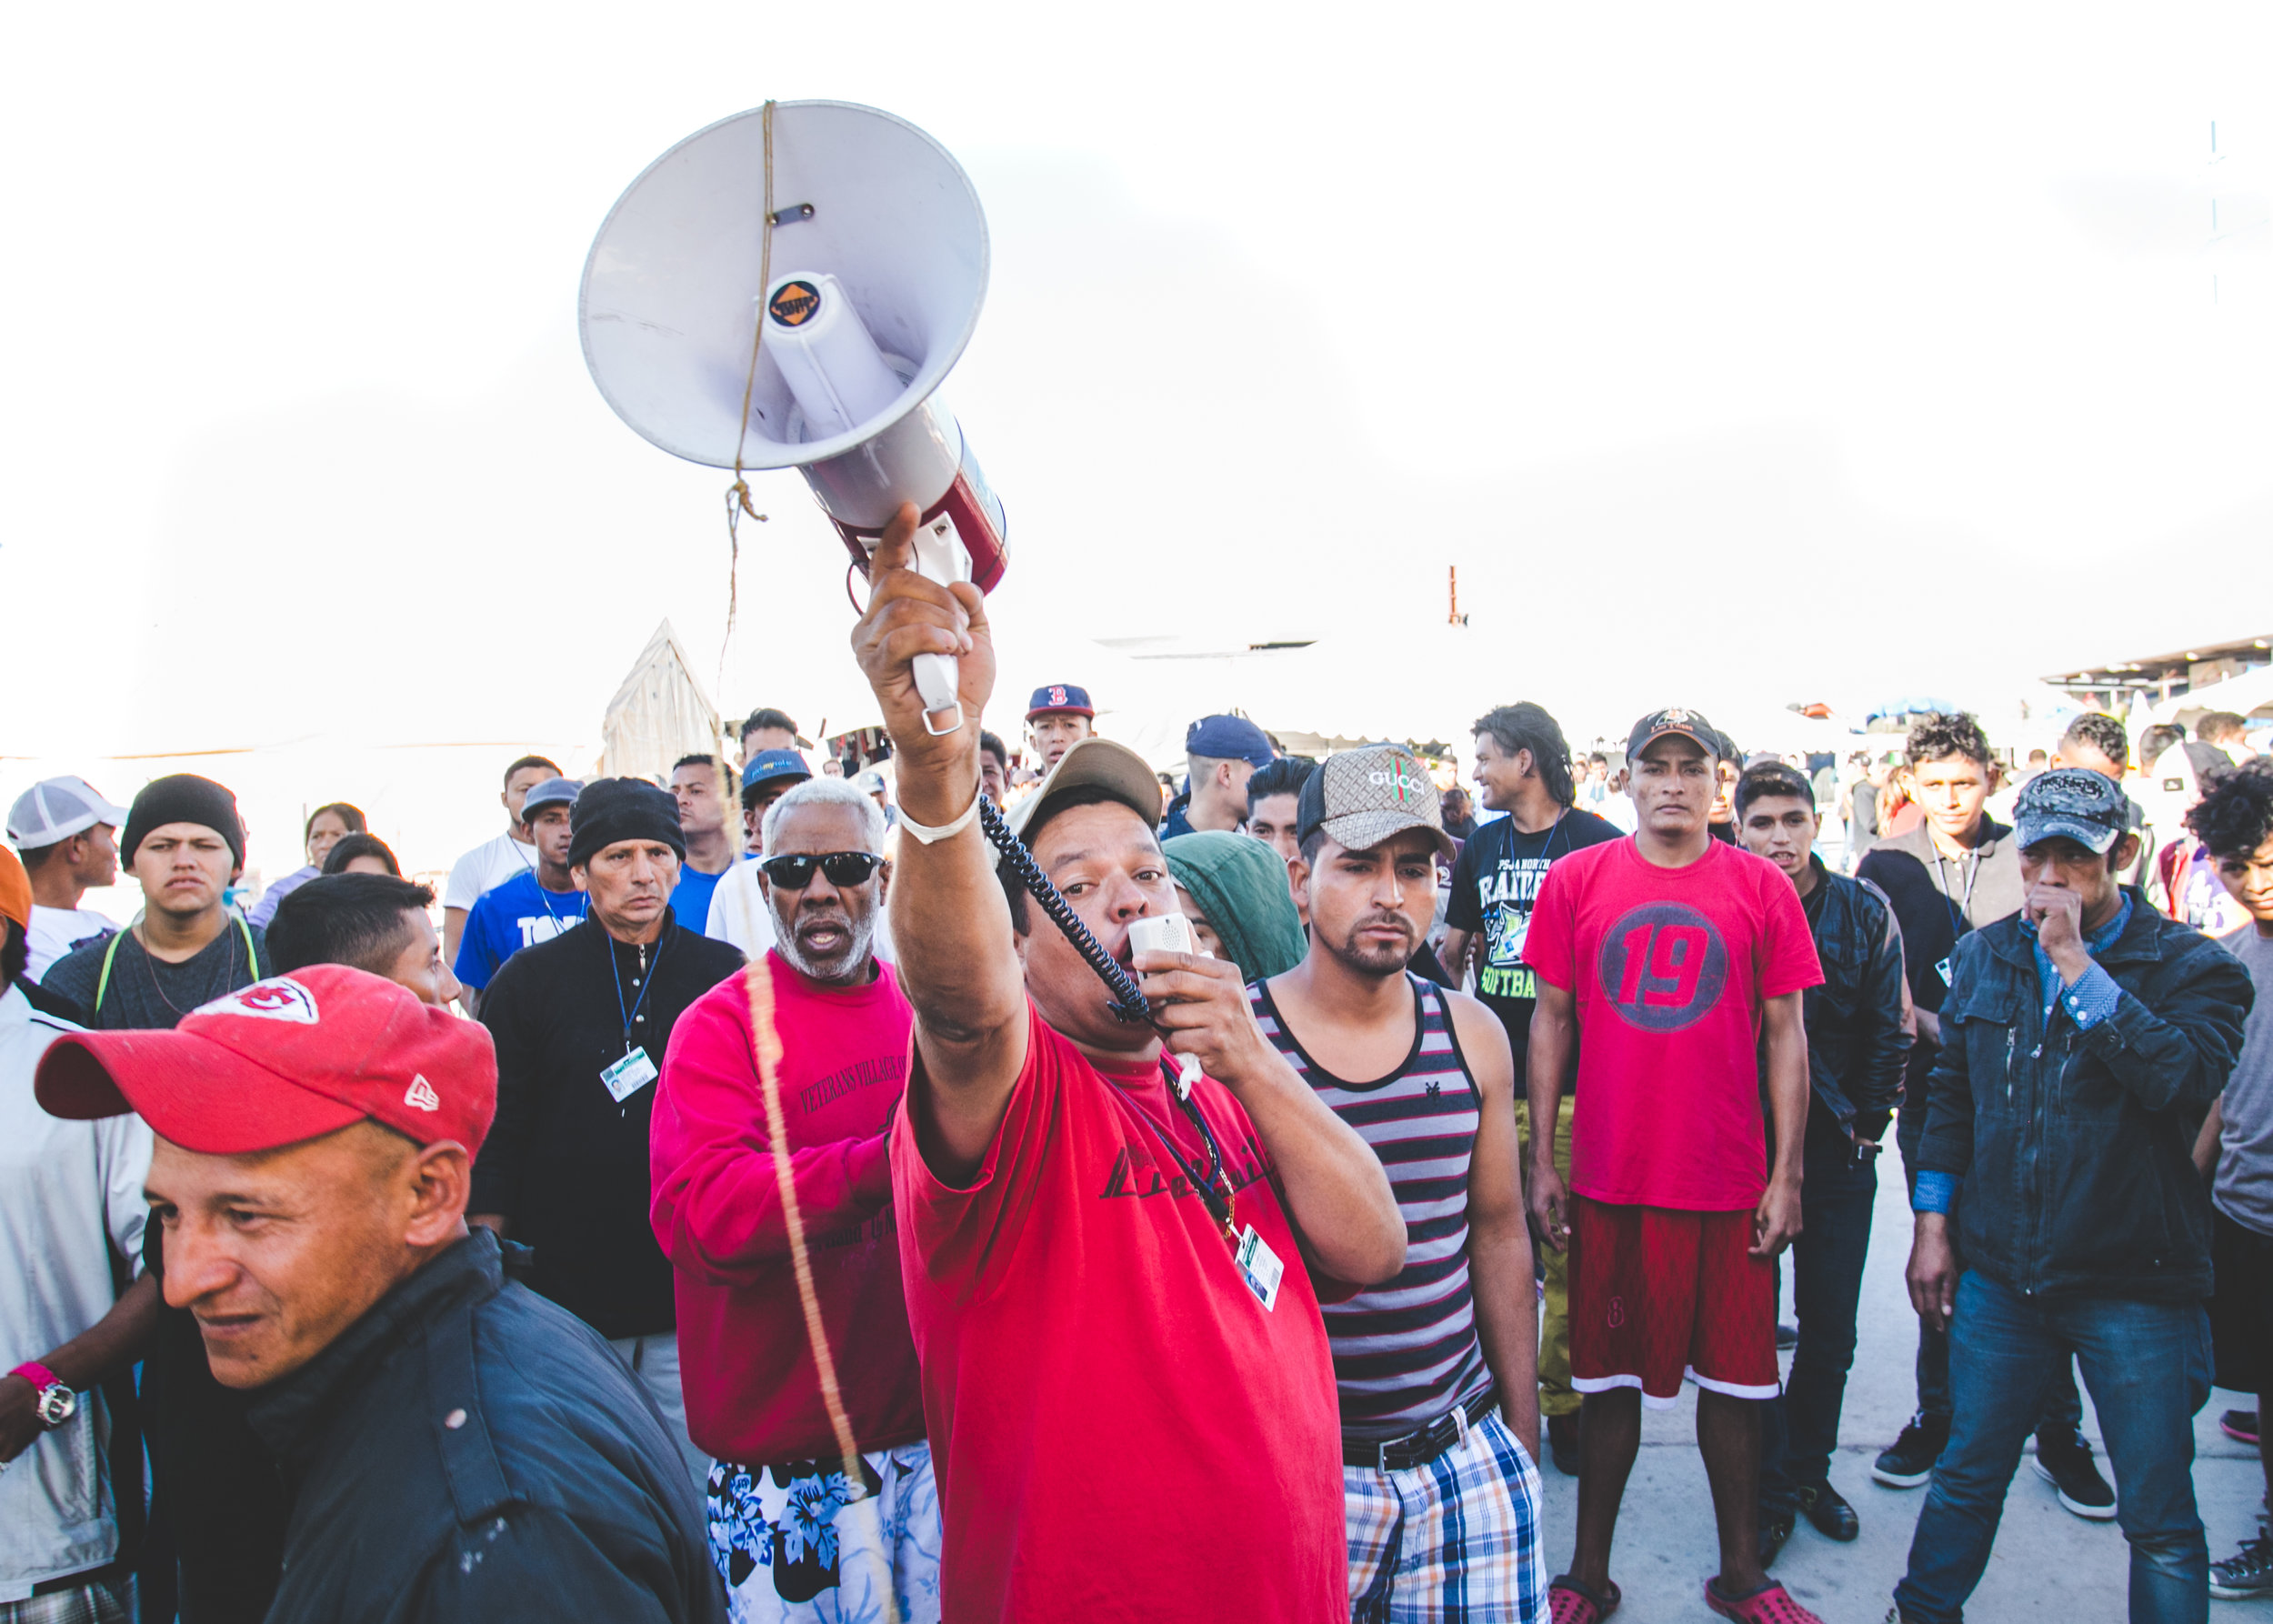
1438	1368
1112	1264
581	1022
455	1449
754	1395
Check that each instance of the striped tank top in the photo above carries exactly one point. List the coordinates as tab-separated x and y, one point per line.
1405	1352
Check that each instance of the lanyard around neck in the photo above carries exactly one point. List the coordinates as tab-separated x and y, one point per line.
1210	1183
615	979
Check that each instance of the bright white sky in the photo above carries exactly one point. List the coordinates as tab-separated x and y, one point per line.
1848	354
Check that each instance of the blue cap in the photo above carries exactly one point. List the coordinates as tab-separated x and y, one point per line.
768	764
1228	738
1060	696
552	792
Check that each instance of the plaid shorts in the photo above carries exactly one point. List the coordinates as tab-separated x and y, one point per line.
1454	1540
97	1603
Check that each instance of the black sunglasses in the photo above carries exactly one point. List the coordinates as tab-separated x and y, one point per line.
843	868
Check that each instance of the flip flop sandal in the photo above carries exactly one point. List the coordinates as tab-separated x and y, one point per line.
1571	1602
1770	1605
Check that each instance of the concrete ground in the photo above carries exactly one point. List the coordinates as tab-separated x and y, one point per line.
2049	1565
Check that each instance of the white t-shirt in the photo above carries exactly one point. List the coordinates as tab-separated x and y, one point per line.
66	1188
56	930
484	868
738	913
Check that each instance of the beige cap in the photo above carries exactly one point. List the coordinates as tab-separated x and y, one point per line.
1361	798
1101	763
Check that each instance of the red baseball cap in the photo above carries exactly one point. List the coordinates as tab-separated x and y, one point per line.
284	1060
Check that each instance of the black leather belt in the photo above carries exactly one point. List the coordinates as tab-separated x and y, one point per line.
109	1573
1420	1448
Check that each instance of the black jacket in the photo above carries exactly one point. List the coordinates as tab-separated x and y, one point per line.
565	1162
1856	1045
2077	1147
466	1451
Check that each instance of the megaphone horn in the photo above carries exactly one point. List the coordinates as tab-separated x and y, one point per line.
880	260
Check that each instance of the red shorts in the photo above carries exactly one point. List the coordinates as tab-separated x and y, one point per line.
1657	1294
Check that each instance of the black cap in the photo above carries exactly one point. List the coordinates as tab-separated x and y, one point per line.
612	809
1688	723
2085	807
183	797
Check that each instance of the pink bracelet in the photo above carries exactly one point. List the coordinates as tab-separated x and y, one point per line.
38	1374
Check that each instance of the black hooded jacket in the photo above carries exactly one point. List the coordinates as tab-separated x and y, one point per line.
467	1451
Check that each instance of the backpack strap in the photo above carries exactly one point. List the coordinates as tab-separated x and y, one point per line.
102	982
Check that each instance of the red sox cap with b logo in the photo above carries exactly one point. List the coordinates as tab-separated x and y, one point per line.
282	1060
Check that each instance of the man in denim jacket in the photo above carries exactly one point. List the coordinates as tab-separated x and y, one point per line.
2084	1041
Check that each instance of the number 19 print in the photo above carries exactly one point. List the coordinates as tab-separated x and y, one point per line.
1662	966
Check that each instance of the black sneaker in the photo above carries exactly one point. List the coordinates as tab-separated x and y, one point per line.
2247	1575
2065	1463
1827	1508
1909	1462
1773	1531
1562	1443
2240	1425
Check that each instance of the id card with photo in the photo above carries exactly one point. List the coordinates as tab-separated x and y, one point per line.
1259	1267
633	1072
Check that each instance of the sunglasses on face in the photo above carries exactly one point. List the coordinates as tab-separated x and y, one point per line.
841	868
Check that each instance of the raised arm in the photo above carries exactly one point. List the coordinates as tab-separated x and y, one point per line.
959	961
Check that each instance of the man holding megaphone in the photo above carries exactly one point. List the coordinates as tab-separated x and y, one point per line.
1113	1286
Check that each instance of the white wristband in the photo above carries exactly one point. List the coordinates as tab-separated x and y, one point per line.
932	836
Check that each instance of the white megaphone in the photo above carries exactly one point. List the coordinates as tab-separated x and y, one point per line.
878	268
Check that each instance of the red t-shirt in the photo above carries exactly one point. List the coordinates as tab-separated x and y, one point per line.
1669	967
744	1362
1121	1430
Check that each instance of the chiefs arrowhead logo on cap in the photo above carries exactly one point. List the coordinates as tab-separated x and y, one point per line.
280	998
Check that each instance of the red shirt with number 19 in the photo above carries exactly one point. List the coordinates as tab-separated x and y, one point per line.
1669	967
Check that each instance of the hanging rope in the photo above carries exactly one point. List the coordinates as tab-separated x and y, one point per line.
739	493
759	981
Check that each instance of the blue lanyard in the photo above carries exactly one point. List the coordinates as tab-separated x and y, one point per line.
615	979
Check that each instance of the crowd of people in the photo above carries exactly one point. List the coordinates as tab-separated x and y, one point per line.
916	1232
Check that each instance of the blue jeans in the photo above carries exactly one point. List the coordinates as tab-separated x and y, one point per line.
2148	1369
2063	1410
1800	1427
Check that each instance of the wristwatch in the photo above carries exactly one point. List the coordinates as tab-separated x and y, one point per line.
54	1402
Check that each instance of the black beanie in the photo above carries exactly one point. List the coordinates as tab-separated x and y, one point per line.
612	809
183	797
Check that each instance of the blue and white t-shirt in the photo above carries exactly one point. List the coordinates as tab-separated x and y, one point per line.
519	913
690	902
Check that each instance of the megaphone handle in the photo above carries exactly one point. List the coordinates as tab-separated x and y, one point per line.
941	557
939	680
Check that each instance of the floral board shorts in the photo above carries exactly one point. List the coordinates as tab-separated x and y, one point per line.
796	1546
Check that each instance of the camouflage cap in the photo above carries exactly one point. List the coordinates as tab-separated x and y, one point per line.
2085	807
1361	798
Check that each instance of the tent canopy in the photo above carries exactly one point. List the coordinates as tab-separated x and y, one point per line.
660	714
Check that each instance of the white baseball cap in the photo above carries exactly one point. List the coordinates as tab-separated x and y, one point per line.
54	809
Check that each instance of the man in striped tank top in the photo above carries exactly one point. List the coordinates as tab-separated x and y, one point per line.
1437	1368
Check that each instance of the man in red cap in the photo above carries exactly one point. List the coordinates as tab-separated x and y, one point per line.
457	1448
